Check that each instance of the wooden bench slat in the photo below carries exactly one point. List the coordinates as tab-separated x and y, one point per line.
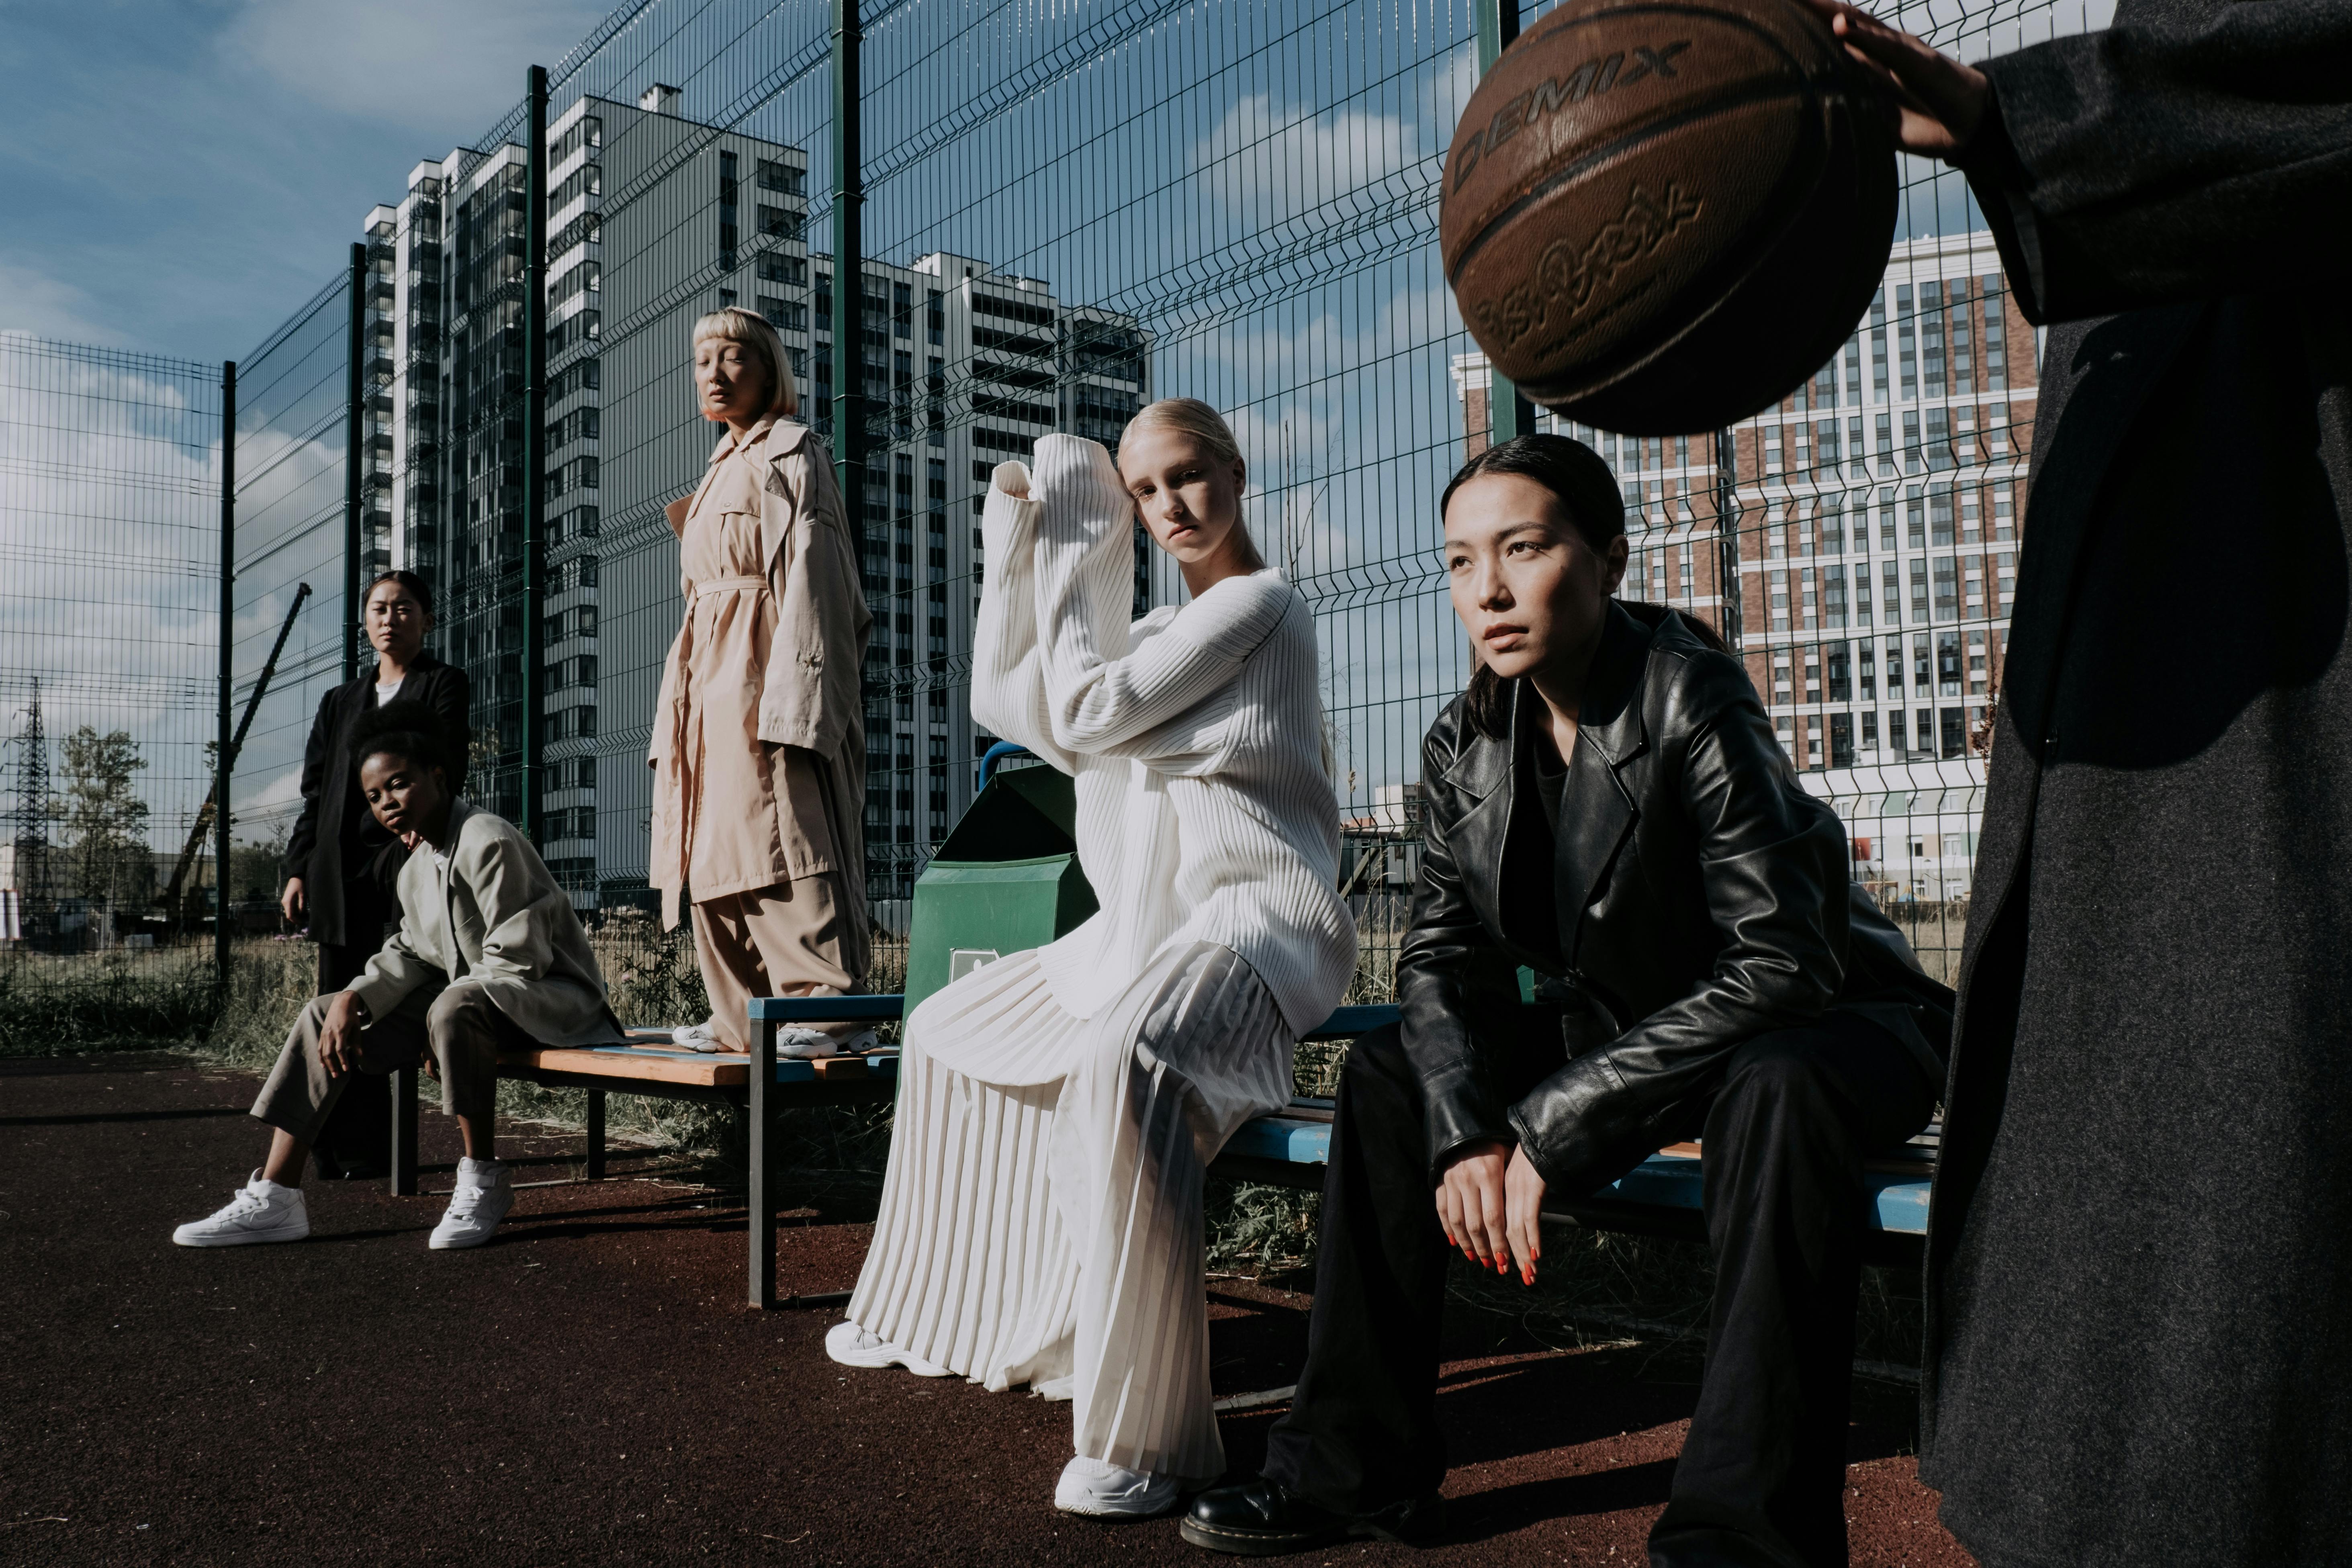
723	1070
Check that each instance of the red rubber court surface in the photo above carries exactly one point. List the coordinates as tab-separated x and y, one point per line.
591	1388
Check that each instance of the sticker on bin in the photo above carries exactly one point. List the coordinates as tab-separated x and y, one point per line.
962	960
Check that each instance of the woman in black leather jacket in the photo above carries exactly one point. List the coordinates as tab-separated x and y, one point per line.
1607	807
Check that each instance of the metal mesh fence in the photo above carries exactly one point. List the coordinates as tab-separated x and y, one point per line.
1065	213
292	462
110	518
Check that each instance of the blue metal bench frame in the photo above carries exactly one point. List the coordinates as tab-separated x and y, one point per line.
1661	1197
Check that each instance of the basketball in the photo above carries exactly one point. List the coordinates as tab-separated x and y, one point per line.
1661	218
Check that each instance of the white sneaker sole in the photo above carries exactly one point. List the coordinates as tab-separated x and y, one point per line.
841	1347
189	1235
1099	1508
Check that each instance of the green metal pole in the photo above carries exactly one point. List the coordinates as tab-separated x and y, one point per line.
1509	415
354	385
223	760
534	463
848	266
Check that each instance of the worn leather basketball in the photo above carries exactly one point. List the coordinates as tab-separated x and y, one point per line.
1661	217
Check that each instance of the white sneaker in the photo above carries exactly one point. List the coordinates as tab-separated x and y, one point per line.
696	1037
852	1346
485	1192
806	1045
261	1211
1100	1490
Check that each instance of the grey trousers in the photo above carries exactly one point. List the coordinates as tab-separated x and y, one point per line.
458	1025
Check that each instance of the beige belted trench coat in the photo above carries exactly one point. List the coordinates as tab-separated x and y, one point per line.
759	742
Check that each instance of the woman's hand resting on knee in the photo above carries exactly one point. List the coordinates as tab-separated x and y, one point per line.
1491	1203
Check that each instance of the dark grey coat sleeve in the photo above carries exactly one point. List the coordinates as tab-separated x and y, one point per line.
304	841
2166	160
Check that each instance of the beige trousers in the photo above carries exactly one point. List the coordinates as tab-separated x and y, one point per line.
458	1025
780	941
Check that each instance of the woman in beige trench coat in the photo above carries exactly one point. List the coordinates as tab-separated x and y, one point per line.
758	742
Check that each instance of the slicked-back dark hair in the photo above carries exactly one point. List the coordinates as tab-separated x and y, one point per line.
416	587
408	730
1576	474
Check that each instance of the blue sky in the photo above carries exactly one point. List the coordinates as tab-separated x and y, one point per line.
178	175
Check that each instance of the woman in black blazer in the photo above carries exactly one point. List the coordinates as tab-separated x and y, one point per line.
1607	808
341	864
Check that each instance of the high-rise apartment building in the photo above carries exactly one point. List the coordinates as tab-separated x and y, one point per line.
1875	531
653	220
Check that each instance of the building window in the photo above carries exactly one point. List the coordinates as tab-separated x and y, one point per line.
1878	349
727	226
1885	441
779	223
1840	740
1869	730
1890	600
1869	671
1939	518
1996	356
1913	462
1903	322
1948	596
1977	674
774	268
776	176
1840	682
1895	744
1953	733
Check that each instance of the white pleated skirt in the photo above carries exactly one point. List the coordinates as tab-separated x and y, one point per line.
1040	1216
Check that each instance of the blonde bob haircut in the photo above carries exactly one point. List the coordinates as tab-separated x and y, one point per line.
1190	416
737	325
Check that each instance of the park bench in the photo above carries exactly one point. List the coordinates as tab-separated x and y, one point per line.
1659	1197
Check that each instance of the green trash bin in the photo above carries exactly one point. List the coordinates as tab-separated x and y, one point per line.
1006	880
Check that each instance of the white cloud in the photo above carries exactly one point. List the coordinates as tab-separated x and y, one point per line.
1272	162
446	68
33	301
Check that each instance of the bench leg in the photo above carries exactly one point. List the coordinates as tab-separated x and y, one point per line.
760	1201
596	1134
404	1133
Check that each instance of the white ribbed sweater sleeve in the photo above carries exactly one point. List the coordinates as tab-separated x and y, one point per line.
1008	683
1096	703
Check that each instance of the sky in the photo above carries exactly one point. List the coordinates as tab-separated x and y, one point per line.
178	175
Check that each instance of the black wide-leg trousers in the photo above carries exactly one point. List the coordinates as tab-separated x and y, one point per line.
1761	1477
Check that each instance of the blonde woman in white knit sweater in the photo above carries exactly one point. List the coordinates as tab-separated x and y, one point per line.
1040	1221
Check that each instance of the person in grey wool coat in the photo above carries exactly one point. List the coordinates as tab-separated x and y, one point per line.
2140	1243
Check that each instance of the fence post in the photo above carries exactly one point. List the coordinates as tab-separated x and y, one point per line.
534	459
223	761
848	266
354	383
1726	538
1509	415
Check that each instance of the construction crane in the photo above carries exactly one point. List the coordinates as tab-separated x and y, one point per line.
205	813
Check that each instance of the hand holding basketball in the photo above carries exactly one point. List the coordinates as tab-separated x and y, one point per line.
1660	219
1941	101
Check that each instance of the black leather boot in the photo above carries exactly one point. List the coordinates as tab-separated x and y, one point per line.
1265	1518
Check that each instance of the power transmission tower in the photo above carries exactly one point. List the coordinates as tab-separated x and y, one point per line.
32	836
